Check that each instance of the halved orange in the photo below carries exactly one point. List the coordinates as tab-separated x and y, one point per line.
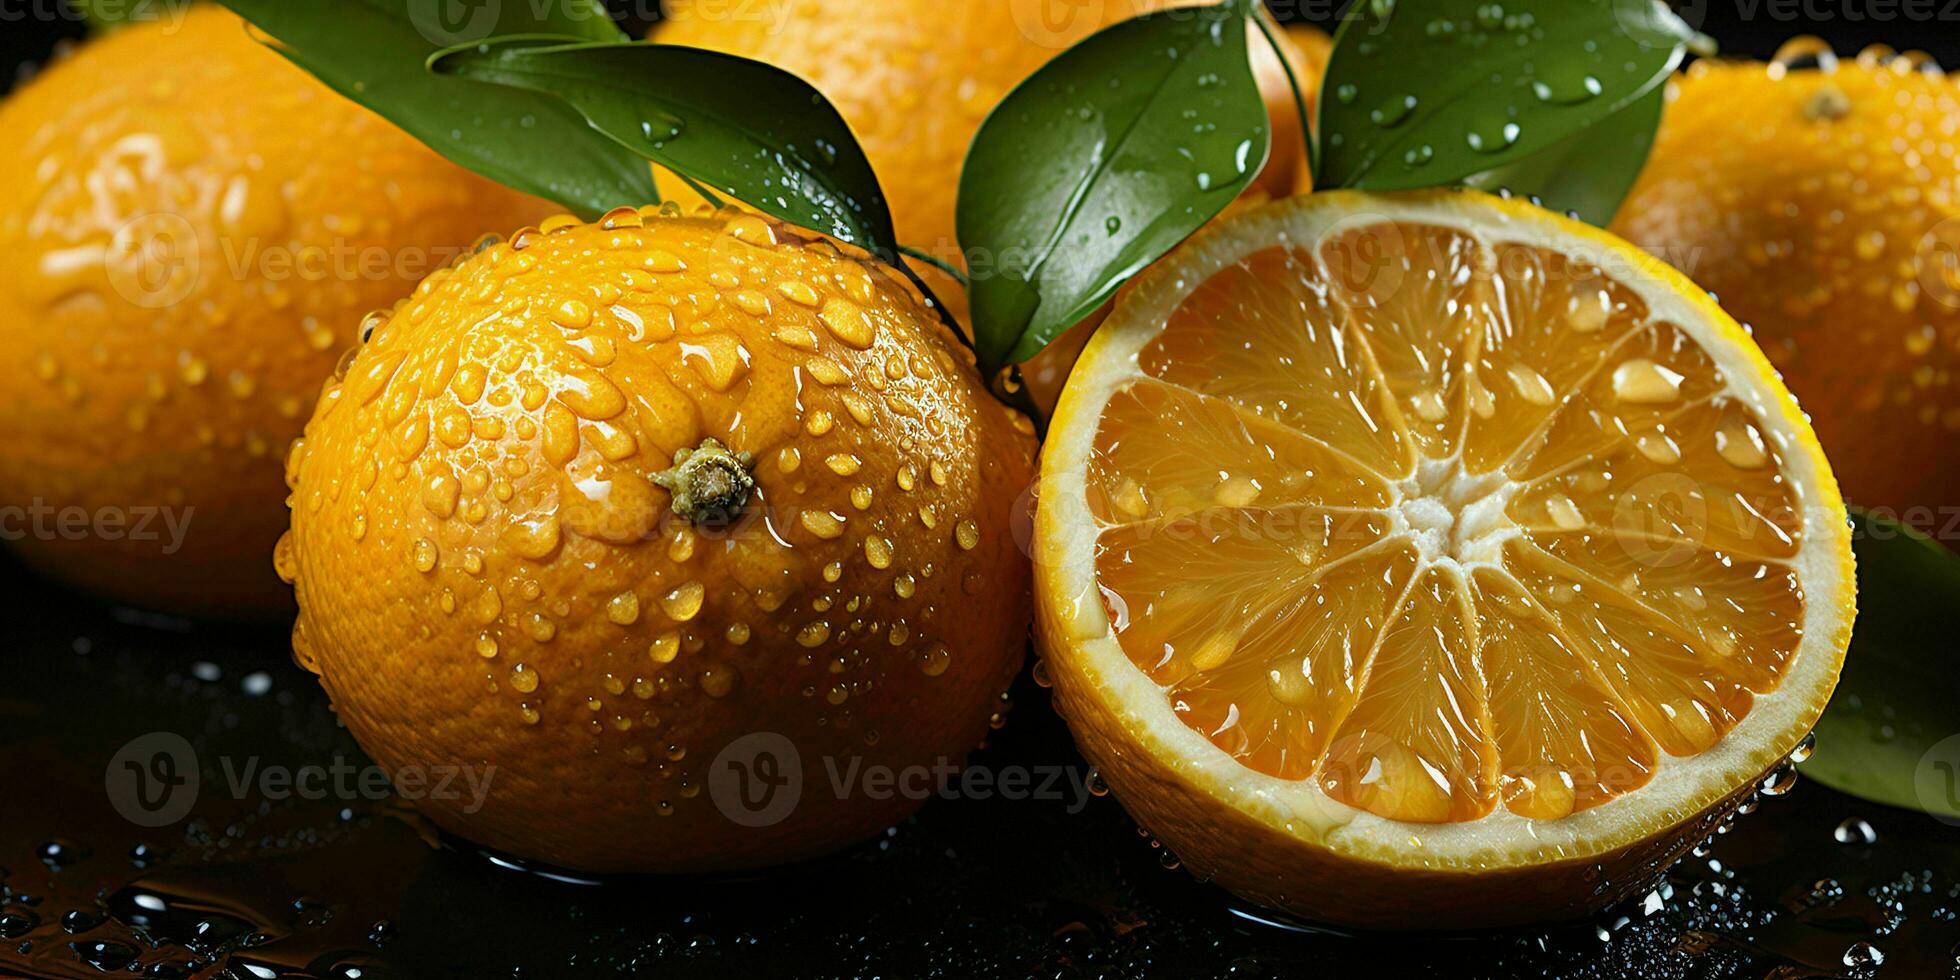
1433	560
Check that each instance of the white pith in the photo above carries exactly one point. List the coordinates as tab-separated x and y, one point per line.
1455	520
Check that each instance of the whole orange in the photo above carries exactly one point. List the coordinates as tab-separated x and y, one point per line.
915	79
1819	201
190	231
648	515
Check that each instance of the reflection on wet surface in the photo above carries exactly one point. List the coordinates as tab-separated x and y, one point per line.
1811	884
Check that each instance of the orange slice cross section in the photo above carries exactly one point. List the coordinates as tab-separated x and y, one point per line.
1443	519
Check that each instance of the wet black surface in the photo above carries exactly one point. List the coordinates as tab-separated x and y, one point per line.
343	887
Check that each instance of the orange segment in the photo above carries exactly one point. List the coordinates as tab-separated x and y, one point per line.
1685	700
1414	748
1560	317
1744	615
1672	487
1144	467
1264	334
1566	742
1297	666
1629	395
1246	618
1420	297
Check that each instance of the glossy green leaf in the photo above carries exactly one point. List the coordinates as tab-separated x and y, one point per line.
1588	173
376	52
1892	732
1424	93
755	132
1100	163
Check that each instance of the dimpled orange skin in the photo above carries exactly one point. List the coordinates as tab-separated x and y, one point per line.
1821	206
184	218
489	575
915	79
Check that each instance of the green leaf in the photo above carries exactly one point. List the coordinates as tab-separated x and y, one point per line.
1100	163
1425	93
753	131
1590	172
1892	732
376	52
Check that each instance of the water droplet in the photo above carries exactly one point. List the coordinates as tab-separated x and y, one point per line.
665	647
1780	781
848	323
523	679
1095	784
1494	139
425	555
1584	90
1657	446
1392	111
934	660
1564	513
1639	381
683	602
1863	955
624	608
878	551
1855	831
822	524
1802	52
1741	445
1531	386
718	680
